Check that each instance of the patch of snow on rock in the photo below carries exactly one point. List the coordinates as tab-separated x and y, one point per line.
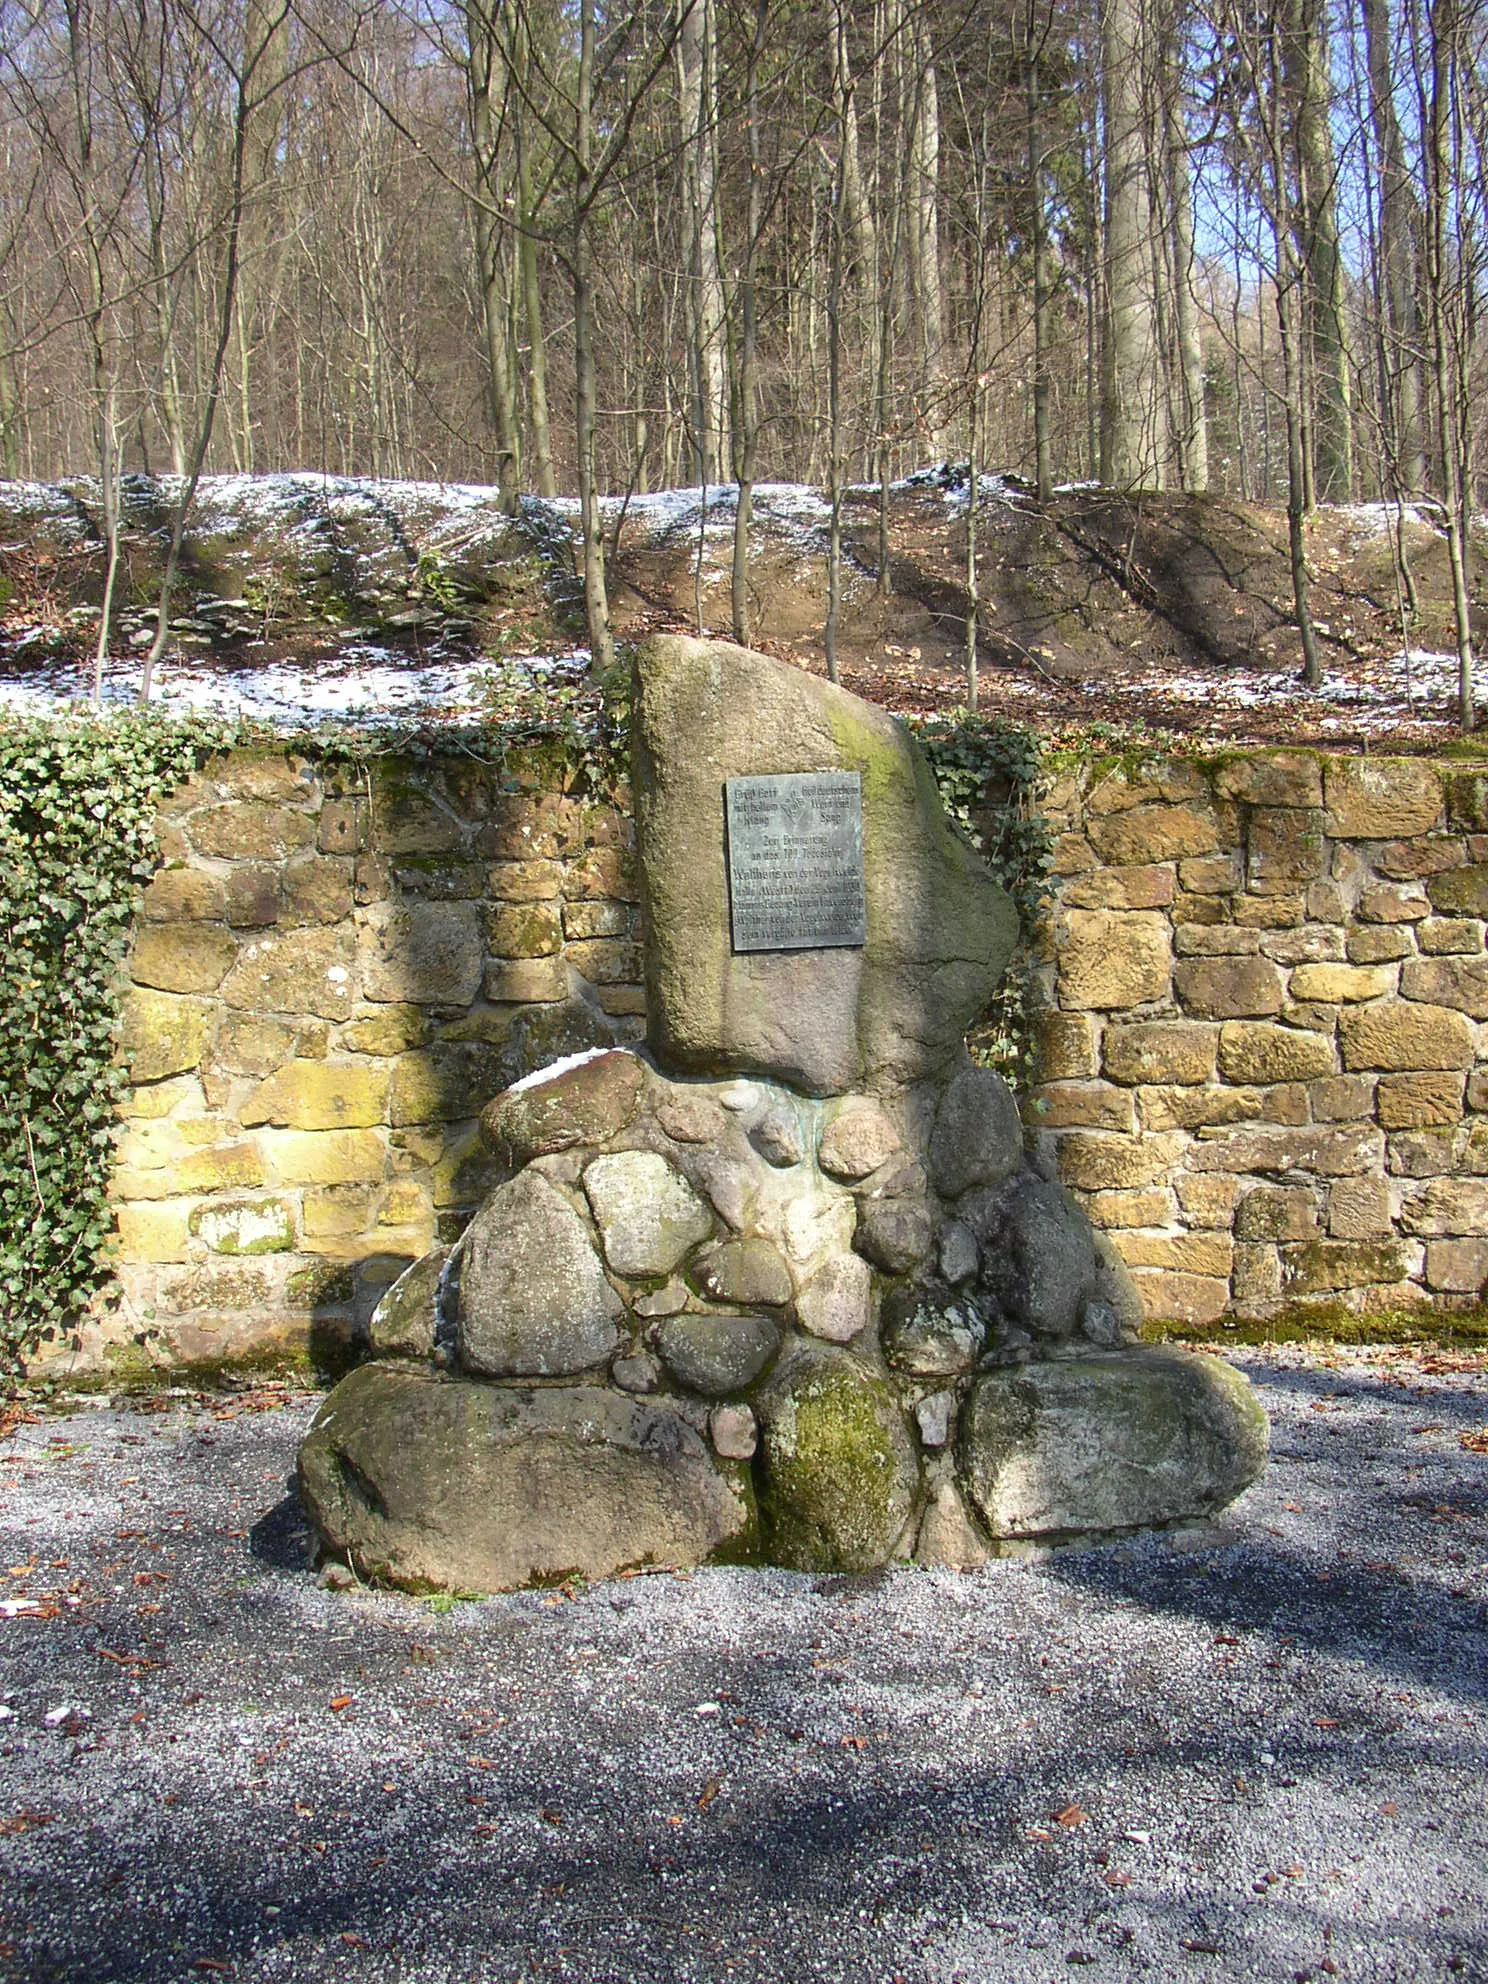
541	1076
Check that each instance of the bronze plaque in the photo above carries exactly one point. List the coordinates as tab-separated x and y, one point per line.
795	849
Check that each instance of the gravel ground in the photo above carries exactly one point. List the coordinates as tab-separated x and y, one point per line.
1259	1753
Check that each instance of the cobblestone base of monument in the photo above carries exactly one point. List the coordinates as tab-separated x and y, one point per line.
721	1320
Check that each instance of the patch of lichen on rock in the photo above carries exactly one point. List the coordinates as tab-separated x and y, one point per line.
837	1473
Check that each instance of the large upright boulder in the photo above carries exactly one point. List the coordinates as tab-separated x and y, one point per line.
940	929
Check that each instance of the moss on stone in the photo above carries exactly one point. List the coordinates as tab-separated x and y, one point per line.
1334	1322
836	1483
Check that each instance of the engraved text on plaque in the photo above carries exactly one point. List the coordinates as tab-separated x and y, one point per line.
795	847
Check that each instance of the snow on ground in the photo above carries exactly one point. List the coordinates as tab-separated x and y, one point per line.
362	684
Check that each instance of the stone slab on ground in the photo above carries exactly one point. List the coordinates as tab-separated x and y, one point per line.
1235	1757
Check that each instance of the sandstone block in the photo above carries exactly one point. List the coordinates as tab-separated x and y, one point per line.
388	1032
1400	1035
1450	936
245	1226
1311	943
1272	778
837	1470
1460	982
343	826
1153	833
1170	1051
1102	1444
1093	1162
1191	1108
1420	1153
1255	1280
1383	905
1108	960
593	919
1229	988
445	1083
184	895
1359	1209
182	957
161	1034
1192	1299
434	1483
1284	845
607	960
1324	1267
153	1231
252	895
522	981
409	818
1426	1101
1066	1046
423	953
1209	1254
1255	1051
1083	1106
1143	887
300	971
948	1537
1260	1148
1206	1202
1467	799
649	1217
1380	798
320	1095
1215	940
243	830
1447	1207
1210	874
1341	984
602	872
316	889
324	1157
526	881
1152	1207
1457	1267
1281	1212
1378	944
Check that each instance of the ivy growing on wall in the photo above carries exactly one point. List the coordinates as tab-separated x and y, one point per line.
77	808
989	774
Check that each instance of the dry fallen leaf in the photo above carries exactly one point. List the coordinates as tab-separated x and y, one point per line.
1071	1816
1475	1442
26	1821
339	1702
709	1792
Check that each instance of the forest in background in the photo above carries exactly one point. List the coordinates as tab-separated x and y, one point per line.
1228	245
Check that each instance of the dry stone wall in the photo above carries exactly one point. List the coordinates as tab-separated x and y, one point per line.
1264	1054
332	972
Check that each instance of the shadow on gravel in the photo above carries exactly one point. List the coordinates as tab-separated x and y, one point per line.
280	1539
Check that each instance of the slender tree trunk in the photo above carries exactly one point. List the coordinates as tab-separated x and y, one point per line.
1309	91
1043	452
834	421
1400	328
596	599
1193	430
746	429
1133	403
696	78
486	88
924	209
974	468
537	346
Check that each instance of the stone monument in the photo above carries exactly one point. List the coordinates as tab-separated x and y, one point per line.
784	1286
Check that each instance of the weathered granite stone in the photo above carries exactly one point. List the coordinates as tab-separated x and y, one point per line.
978	1134
649	1217
746	1271
716	1355
1109	1443
959	1254
934	1414
837	1469
948	1537
895	1234
1038	1254
834	1303
442	1484
690	1115
639	1372
404	1322
932	1332
667	1301
777	1137
586	1104
857	1140
940	929
534	1301
734	1430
